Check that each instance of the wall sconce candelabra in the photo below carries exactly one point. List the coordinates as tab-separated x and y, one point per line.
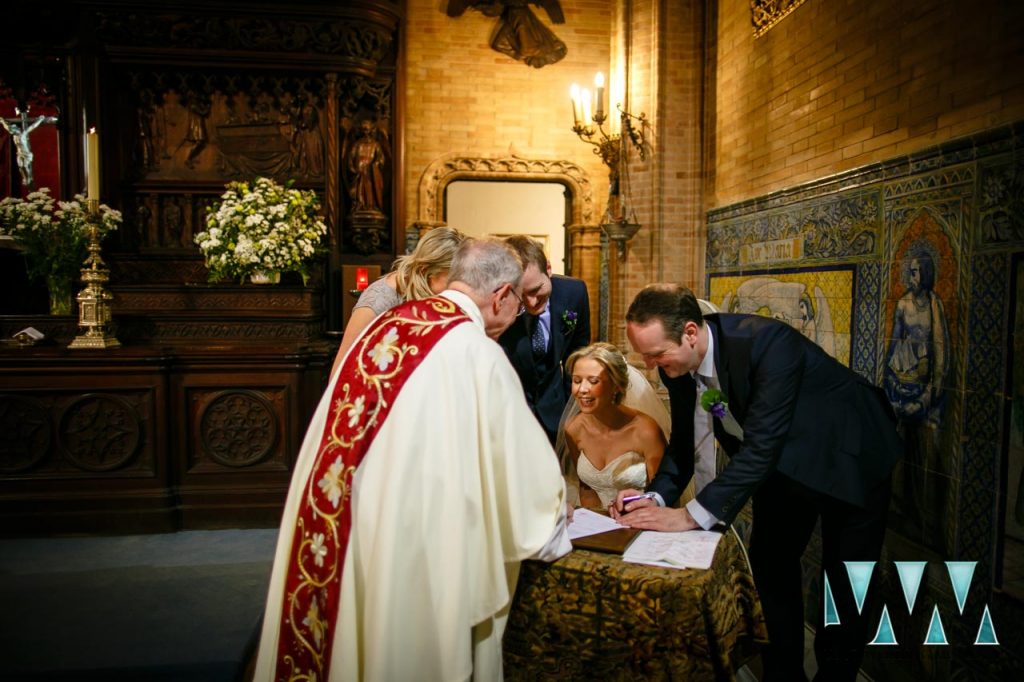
589	116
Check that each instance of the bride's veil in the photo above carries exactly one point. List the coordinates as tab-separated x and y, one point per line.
640	396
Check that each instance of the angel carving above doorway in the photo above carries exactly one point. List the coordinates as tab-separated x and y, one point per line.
519	33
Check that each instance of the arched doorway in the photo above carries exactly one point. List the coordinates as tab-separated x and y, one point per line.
583	251
538	210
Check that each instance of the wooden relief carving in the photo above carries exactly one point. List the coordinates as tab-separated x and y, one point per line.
349	38
238	428
100	432
24	433
217	127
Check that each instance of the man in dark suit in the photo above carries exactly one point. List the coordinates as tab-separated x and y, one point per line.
807	438
556	324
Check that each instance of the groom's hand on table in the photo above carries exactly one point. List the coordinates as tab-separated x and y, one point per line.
646	514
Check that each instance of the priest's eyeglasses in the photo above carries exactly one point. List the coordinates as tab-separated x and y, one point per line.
522	306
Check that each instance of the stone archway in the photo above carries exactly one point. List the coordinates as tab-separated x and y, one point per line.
447	169
584	233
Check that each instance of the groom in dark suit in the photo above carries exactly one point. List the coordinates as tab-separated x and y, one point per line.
807	438
556	324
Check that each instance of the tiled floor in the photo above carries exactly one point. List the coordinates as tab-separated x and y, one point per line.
179	606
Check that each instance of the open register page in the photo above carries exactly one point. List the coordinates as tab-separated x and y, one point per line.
687	549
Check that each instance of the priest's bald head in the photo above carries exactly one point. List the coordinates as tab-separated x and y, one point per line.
490	273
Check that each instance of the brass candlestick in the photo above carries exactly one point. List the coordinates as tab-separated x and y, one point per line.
94	299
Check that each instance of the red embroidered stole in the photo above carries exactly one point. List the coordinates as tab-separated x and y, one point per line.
368	382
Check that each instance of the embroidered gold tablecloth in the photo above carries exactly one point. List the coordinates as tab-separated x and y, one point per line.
592	616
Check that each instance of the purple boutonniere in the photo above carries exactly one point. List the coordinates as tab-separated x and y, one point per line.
715	402
569	318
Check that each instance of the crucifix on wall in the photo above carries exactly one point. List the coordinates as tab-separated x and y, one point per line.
19	129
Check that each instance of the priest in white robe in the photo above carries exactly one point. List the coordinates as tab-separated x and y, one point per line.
423	488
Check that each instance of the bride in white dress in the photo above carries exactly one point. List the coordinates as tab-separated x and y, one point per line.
613	432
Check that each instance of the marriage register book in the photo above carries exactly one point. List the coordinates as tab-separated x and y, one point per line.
596	531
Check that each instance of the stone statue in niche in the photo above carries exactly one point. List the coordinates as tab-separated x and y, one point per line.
364	164
307	142
196	137
19	129
172	220
519	33
146	157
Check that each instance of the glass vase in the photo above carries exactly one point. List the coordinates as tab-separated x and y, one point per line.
60	295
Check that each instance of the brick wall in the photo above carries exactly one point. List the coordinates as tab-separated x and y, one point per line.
463	98
844	83
665	41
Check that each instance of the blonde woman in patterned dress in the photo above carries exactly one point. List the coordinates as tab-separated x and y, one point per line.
421	274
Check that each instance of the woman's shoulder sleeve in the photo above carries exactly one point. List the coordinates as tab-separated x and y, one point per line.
379	297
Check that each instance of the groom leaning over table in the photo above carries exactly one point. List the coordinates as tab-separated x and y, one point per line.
807	438
422	482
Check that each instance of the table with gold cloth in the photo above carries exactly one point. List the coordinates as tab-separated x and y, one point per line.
591	616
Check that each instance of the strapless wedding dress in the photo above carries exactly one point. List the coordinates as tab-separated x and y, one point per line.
628	470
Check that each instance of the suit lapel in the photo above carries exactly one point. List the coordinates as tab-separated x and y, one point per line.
721	358
557	306
731	360
523	352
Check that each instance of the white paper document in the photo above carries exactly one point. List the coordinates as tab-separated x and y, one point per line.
688	549
585	522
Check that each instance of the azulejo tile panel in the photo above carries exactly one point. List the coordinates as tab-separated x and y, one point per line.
925	243
846	227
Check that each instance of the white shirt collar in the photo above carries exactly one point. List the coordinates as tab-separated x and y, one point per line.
707	365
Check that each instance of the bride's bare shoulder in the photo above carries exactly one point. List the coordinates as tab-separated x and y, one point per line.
574	424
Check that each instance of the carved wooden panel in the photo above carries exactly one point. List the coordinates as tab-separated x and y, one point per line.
236	428
26	434
144	439
100	432
65	433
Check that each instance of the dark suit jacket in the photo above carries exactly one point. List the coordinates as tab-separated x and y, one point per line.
803	414
547	391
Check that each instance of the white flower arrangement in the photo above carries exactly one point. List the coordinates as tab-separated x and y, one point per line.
261	226
53	235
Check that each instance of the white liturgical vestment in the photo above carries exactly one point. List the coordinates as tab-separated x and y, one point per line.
459	485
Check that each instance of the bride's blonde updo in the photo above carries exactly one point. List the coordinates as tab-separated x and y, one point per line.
609	357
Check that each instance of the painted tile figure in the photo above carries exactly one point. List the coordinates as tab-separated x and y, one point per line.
788	302
915	373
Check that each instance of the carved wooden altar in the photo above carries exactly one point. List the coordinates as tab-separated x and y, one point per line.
196	421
